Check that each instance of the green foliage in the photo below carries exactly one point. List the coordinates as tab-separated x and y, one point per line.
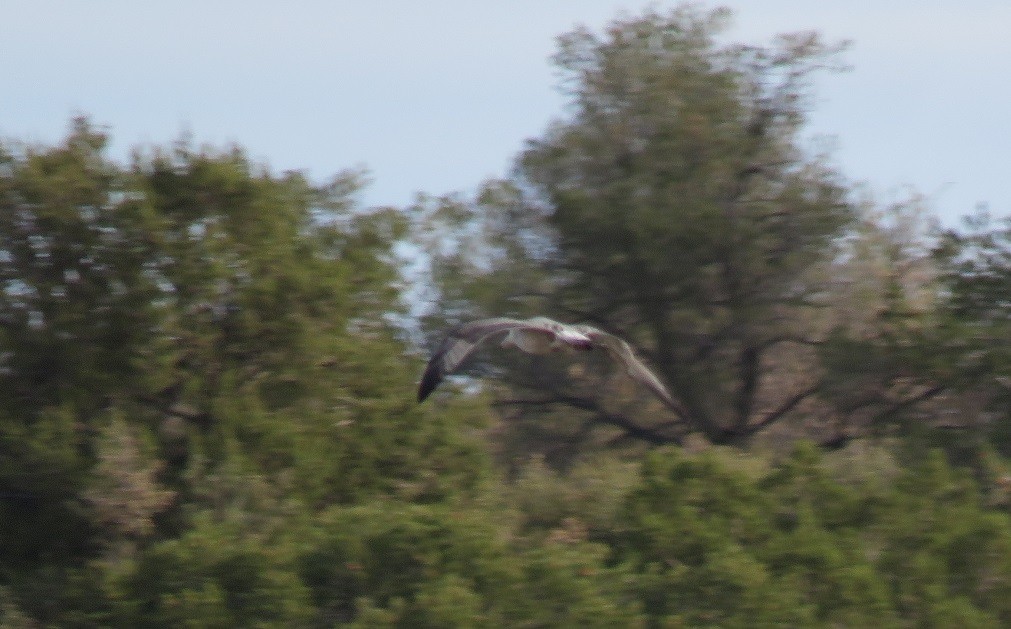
454	565
207	411
195	335
976	270
799	548
675	204
590	495
211	577
920	342
941	544
697	541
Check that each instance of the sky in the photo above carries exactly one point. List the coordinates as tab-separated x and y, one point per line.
434	97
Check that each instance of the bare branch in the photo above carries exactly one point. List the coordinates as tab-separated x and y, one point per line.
908	403
790	338
655	434
784	408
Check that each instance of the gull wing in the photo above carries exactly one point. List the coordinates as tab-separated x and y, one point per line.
460	343
622	351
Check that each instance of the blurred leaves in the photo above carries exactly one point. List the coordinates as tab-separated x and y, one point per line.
674	205
125	494
207	376
192	347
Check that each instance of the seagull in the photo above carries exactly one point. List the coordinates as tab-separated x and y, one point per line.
538	335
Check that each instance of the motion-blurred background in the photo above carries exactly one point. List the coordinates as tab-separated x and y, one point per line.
230	233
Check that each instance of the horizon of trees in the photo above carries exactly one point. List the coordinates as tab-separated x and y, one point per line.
207	375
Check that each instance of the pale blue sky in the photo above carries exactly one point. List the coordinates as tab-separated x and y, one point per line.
436	96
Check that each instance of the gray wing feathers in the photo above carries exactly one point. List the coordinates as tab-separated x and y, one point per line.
457	347
477	331
461	343
636	369
458	351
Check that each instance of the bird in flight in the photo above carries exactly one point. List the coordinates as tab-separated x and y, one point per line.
538	335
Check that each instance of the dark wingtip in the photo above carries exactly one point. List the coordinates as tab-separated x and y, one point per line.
429	381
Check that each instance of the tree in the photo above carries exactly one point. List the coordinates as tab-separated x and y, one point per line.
192	325
919	333
716	544
976	273
880	353
674	206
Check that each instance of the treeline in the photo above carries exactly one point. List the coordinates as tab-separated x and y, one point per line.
207	375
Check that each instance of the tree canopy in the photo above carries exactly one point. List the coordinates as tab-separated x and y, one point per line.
208	372
676	206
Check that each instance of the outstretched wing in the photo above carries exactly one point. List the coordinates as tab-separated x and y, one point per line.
623	352
457	347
